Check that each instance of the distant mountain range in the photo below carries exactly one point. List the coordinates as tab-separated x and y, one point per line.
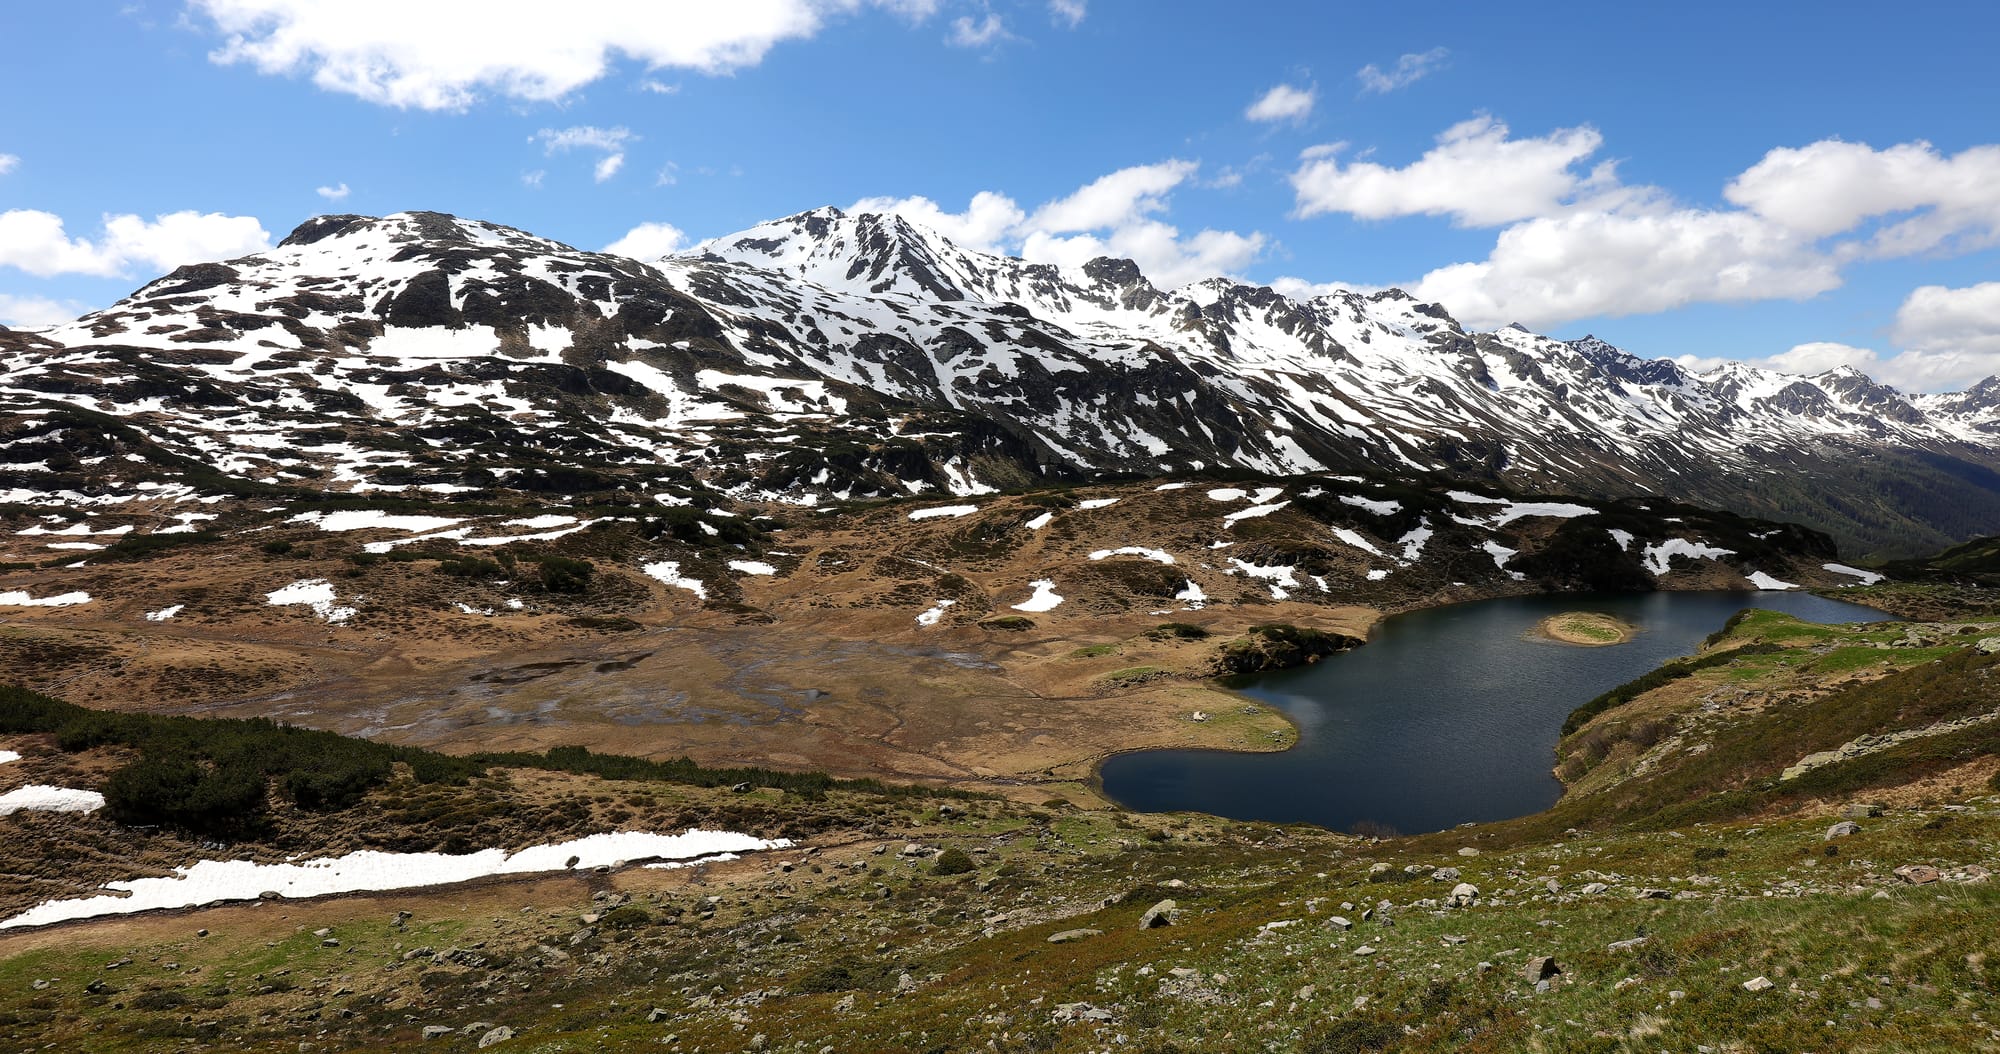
831	356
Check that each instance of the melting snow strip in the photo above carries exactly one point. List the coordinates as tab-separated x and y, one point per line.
1045	598
43	798
215	881
944	510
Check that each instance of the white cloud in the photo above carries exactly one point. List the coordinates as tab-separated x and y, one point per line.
36	242
1282	103
1821	356
1162	254
1114	215
1831	186
336	193
448	54
1068	12
659	87
533	180
25	312
610	141
1587	263
1951	337
966	32
985	224
1475	174
668	175
1301	289
583	136
1408	70
1114	200
648	241
9	162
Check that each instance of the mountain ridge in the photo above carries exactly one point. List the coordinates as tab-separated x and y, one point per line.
830	356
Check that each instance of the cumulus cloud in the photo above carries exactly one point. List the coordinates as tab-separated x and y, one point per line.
1282	103
1554	269
1477	174
1115	199
649	241
448	54
1067	12
608	141
38	243
26	312
1408	70
1302	289
1821	356
9	162
969	32
1832	186
1113	215
1952	336
335	193
1576	242
985	224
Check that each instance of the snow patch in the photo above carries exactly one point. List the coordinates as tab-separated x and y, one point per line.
944	510
215	881
1764	581
372	520
669	571
1658	557
316	593
752	567
1097	503
19	598
164	613
935	614
41	797
1158	555
1045	599
1379	508
1041	521
1868	578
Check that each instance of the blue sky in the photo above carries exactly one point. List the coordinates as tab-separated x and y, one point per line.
1708	180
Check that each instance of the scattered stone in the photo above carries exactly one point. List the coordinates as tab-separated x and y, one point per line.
1843	829
844	1005
1627	945
499	1035
1066	936
1656	894
659	1014
330	942
436	1031
1918	874
905	983
1366	949
1468	851
1759	983
1445	874
1463	895
1161	914
1540	968
1592	889
1452	939
1860	810
1340	923
1553	886
1070	1013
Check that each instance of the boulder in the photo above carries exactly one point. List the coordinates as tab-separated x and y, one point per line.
1860	811
1066	936
1843	829
498	1035
1759	983
436	1031
1540	968
1918	874
1463	895
1161	914
1593	888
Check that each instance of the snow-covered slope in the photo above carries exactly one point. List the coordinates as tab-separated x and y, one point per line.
828	356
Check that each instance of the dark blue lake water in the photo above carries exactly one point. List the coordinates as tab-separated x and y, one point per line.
1446	716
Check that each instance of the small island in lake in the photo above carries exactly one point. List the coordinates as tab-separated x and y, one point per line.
1588	628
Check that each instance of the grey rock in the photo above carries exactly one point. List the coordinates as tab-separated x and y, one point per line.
1161	914
1463	895
1540	968
436	1031
1759	983
1066	936
1593	888
499	1035
1843	829
1339	923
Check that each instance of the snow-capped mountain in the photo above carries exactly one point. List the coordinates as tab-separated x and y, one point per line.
830	356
